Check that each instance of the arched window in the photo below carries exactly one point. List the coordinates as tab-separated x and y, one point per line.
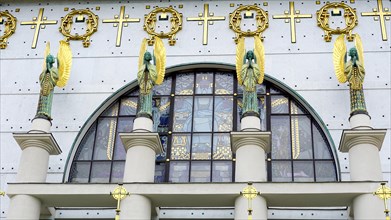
194	112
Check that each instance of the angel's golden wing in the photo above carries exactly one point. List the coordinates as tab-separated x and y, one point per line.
143	48
160	59
259	52
46	53
339	52
360	49
240	51
64	63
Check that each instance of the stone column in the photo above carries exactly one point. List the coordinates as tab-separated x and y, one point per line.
363	144
141	148
250	146
36	147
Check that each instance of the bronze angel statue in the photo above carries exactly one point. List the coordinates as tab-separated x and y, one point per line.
52	76
150	74
351	71
250	71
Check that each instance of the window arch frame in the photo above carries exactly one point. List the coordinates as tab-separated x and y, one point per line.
191	67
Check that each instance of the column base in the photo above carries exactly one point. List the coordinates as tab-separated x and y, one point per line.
368	207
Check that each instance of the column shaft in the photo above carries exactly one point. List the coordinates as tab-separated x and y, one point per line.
250	164
136	207
364	162
368	207
140	164
259	207
24	207
33	165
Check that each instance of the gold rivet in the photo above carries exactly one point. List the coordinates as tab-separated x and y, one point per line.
267	93
232	5
318	2
97	8
233	159
170	132
147	7
17	10
268	159
168	160
235	94
265	4
181	6
172	94
66	9
352	1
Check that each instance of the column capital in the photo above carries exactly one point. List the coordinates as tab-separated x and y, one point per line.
45	141
134	139
243	138
351	138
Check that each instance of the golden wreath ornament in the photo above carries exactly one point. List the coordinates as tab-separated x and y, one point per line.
150	25
91	21
235	19
351	21
9	27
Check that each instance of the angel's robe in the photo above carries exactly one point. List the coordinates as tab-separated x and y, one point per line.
146	77
48	80
355	76
250	76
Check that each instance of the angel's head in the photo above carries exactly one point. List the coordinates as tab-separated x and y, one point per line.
49	61
147	56
353	52
250	55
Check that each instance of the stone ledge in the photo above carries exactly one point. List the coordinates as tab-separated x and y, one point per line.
45	141
242	138
150	140
351	138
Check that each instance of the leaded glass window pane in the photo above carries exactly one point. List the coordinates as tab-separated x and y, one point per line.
183	114
301	137
279	105
124	125
296	109
117	172
262	112
223	113
281	171
303	171
325	171
200	171
223	83
201	147
222	147
261	89
161	114
164	88
180	149
85	151
222	171
204	83
105	136
164	141
100	172
112	111
160	172
128	106
203	108
80	172
320	145
281	144
179	171
184	84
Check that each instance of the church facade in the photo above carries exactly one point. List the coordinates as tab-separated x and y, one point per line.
230	110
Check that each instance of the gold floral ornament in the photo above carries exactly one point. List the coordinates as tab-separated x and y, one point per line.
152	18
82	15
235	19
9	22
323	15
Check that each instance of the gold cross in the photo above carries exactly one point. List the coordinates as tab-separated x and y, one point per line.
38	23
384	193
292	16
249	192
119	194
120	21
2	193
381	13
203	18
